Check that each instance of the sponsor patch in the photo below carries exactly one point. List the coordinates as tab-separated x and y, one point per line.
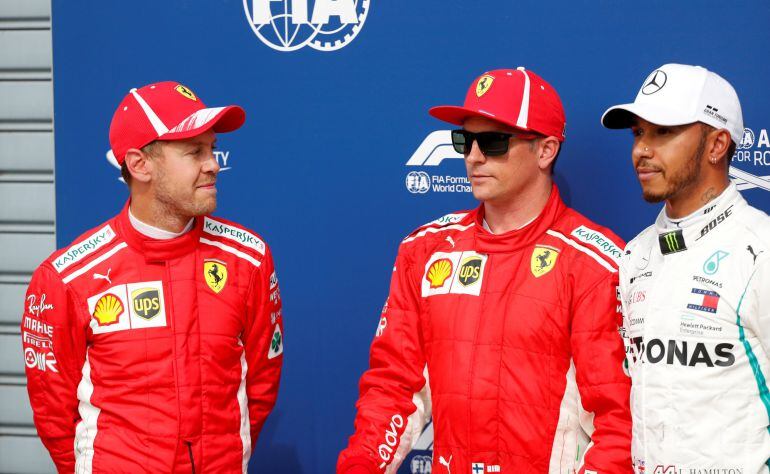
711	265
543	260
108	310
235	234
146	302
598	241
470	270
454	272
186	92
129	306
276	343
35	307
449	219
34	340
215	274
273	280
40	360
84	248
439	272
672	242
35	325
705	300
484	84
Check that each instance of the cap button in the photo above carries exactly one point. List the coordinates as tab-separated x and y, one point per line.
520	68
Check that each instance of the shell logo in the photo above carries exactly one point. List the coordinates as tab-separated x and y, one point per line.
438	272
108	310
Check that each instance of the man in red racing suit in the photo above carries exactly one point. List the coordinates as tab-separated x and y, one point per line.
149	350
518	329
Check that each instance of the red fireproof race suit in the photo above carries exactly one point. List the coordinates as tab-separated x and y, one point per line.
148	355
519	332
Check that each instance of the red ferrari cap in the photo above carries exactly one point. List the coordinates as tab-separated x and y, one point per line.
166	111
516	97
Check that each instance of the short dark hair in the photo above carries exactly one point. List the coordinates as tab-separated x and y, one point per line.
151	149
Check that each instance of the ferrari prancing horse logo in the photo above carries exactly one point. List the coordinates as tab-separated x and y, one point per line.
215	274
543	260
485	82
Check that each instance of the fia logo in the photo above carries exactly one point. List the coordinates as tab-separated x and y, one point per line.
289	25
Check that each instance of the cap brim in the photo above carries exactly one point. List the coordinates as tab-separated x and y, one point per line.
625	115
458	115
219	119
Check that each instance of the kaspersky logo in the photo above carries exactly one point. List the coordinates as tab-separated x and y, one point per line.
671	242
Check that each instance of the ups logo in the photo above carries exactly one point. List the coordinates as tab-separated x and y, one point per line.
146	302
470	271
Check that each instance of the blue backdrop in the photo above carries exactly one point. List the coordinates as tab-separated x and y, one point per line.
337	107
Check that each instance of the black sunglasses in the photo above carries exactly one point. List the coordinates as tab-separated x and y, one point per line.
490	143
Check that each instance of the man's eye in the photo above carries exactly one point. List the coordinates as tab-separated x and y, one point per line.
636	132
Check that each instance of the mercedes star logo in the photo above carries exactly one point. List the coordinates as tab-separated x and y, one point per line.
654	83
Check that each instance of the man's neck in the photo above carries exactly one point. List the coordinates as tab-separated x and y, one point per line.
153	213
689	201
502	217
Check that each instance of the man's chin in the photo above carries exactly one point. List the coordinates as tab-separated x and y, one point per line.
653	198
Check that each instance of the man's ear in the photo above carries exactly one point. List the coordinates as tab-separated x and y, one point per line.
719	144
548	149
139	165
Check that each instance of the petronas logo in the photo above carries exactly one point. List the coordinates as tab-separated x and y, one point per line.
672	242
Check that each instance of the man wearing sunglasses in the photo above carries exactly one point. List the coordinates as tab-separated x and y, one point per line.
695	283
511	306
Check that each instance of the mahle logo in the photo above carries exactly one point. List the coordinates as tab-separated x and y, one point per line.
289	25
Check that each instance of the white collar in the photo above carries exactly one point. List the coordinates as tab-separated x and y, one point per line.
485	225
154	232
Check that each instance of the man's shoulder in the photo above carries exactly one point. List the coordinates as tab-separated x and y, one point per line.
87	246
448	225
227	232
589	237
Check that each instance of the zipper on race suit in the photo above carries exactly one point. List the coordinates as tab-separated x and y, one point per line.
189	450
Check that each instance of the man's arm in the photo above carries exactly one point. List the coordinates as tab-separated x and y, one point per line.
54	345
395	374
598	352
263	344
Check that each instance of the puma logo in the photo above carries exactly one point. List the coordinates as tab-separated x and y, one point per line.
451	241
446	463
98	276
755	255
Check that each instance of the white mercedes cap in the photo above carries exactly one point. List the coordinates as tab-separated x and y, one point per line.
678	94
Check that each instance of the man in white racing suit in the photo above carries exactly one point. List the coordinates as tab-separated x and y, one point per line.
695	285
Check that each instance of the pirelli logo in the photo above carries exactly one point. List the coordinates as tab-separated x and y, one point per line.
235	234
672	242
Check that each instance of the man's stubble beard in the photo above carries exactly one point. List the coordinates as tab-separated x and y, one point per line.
179	207
684	178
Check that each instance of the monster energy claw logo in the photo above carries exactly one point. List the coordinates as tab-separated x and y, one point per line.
672	242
